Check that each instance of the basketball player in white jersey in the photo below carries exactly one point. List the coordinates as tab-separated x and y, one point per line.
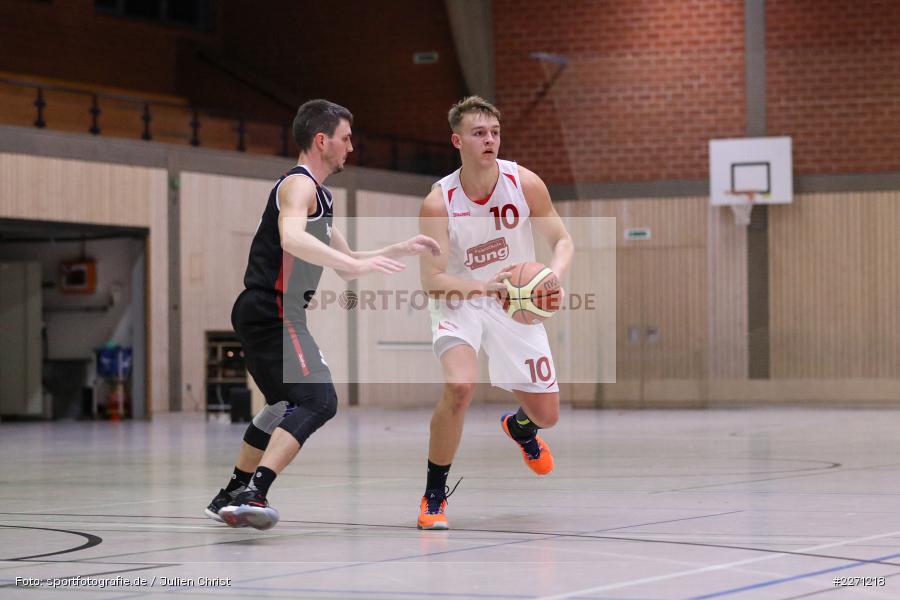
482	215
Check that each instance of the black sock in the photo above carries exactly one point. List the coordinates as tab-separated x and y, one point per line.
437	478
520	426
262	479
238	479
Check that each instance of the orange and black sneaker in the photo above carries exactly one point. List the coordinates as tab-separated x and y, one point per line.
433	508
432	512
535	452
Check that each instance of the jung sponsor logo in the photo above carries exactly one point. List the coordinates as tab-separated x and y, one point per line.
487	253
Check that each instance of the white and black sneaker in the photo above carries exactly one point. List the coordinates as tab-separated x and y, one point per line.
249	508
220	501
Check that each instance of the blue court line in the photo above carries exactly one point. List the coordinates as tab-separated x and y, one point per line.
327	593
533	538
772	582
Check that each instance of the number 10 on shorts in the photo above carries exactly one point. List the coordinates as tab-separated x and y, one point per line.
540	370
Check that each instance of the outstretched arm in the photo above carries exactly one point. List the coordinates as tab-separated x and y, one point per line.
414	246
297	196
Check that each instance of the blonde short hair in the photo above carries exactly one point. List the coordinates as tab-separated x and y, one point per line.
467	105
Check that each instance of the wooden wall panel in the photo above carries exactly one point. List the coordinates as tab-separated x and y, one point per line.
158	294
886	289
674	299
674	222
583	337
218	218
829	253
834	286
661	328
77	191
396	364
54	189
727	272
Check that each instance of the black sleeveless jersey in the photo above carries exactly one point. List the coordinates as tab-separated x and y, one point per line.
269	268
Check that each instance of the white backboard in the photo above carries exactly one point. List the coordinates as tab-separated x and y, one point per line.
760	165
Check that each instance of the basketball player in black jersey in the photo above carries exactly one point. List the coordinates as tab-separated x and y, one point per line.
293	243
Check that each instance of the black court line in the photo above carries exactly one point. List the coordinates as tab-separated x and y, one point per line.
544	537
301	474
91	561
293	592
549	536
544	534
86	575
820	472
822	466
244	540
326	593
92	540
25	514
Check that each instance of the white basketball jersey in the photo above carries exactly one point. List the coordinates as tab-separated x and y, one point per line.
487	236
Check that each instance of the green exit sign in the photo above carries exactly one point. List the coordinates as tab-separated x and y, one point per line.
637	233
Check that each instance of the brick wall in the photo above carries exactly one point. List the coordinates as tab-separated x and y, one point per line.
833	73
647	84
357	53
650	81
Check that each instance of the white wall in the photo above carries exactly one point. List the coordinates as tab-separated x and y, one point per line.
72	333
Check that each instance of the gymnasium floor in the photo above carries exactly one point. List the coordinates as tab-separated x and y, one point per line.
773	503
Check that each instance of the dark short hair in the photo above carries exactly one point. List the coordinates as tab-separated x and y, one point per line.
317	116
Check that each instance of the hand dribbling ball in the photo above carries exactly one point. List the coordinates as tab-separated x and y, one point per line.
532	294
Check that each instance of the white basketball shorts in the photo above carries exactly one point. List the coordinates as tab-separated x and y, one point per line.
519	355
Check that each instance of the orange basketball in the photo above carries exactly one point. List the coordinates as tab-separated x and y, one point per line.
533	293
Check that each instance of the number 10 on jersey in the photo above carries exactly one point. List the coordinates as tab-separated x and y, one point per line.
540	369
507	217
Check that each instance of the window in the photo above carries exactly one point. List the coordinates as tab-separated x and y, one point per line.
194	14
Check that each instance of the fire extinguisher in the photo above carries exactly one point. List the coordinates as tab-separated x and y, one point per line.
115	402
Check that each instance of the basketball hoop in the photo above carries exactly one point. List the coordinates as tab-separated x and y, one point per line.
748	171
742	209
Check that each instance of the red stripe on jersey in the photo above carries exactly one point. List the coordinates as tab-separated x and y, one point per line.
450	195
297	348
512	178
284	273
283	281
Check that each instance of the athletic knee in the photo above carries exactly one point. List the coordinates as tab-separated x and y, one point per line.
459	395
264	423
319	403
313	406
256	437
547	419
546	414
329	405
